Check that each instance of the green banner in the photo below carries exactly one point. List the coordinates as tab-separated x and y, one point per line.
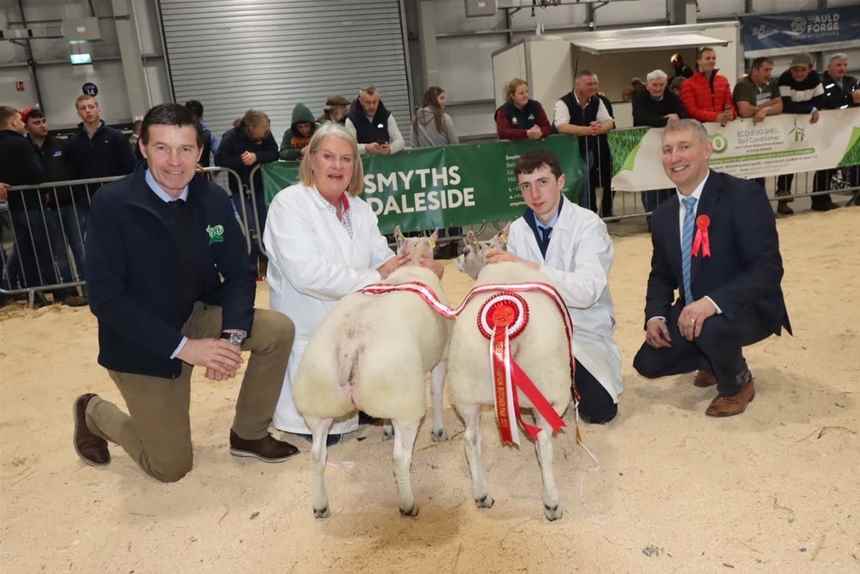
448	186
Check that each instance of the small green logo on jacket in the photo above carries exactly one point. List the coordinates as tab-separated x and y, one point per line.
216	233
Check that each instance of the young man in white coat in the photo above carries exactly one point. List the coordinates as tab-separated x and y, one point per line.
572	247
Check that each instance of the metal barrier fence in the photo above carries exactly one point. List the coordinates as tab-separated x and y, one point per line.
43	233
43	230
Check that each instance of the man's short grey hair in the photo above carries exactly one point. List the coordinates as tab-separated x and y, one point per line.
838	56
656	75
687	124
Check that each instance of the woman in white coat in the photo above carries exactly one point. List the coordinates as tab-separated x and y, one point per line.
323	243
571	246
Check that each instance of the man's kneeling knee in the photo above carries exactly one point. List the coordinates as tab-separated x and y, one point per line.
170	472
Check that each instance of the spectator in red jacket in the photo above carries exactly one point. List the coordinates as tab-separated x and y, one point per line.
521	118
707	95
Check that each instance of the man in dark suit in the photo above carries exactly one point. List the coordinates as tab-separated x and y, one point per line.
173	287
715	242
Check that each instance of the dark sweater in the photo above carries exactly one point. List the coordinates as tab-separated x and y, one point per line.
650	112
233	144
142	287
53	158
106	154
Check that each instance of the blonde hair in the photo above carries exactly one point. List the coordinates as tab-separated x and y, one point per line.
334	130
511	88
84	97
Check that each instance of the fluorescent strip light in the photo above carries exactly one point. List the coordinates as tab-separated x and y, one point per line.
81	58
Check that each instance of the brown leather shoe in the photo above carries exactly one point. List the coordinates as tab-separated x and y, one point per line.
705	379
92	448
730	405
267	449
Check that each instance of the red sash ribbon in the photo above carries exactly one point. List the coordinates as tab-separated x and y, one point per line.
702	241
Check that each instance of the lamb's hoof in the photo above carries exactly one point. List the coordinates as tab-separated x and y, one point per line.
387	432
410	512
553	513
438	435
485	501
321	513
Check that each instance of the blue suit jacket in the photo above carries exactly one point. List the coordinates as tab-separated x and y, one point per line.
744	270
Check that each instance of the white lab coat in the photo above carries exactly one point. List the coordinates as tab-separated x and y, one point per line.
313	263
577	262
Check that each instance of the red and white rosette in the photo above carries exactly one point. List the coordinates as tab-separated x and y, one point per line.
501	318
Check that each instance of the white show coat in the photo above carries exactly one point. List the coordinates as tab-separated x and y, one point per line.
577	262
313	263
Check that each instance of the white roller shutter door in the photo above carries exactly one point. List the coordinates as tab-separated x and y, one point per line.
268	55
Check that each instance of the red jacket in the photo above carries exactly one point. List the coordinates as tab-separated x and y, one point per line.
705	99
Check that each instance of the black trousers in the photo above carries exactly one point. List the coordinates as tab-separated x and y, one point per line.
717	349
595	405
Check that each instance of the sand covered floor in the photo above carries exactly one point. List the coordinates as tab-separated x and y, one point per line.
776	489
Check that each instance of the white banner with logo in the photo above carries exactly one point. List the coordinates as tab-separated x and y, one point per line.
787	143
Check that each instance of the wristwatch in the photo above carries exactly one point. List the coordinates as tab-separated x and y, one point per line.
234	336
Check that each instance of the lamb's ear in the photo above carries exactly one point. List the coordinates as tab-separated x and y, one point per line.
502	237
399	238
434	237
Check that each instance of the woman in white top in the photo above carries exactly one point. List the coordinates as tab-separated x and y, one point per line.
323	243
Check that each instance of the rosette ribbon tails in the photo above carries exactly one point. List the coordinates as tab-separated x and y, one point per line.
702	242
502	318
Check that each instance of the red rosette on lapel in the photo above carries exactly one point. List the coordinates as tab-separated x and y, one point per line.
702	241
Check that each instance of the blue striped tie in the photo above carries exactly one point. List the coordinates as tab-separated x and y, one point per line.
687	245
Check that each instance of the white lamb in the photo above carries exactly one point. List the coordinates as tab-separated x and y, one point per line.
541	350
373	352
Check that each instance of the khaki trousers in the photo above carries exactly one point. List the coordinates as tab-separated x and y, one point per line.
156	432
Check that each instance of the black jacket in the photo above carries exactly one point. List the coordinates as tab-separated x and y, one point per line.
649	112
837	95
744	270
233	144
133	272
107	154
53	158
19	165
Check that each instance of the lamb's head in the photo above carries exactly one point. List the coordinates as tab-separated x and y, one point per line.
416	248
473	258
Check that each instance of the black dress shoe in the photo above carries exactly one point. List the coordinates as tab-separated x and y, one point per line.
92	448
267	449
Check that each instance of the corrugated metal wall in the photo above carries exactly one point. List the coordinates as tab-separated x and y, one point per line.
233	55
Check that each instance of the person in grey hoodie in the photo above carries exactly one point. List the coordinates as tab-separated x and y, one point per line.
432	126
299	135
